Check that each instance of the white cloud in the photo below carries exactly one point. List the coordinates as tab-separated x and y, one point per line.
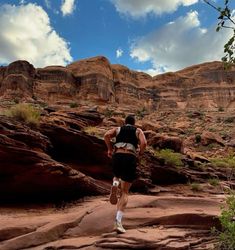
179	44
140	8
26	34
119	53
67	7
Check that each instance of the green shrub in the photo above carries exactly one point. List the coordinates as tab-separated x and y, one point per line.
24	113
226	162
229	119
195	186
212	129
73	105
198	138
43	104
170	157
213	181
227	220
108	113
141	113
220	109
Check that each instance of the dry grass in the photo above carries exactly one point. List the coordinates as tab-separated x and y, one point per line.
24	113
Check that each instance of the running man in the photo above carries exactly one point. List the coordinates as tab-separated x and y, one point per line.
130	145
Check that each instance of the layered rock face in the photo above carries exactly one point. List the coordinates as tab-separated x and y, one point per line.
46	163
95	80
17	80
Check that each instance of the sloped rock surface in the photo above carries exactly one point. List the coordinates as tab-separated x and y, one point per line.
151	222
25	162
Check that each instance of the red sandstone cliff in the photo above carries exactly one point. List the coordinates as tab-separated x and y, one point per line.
95	80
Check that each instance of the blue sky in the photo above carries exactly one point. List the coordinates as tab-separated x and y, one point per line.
154	36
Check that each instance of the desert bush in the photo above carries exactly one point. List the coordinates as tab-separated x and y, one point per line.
195	114
73	105
91	130
108	112
198	138
170	157
226	162
195	186
141	113
24	113
211	129
229	119
43	104
220	109
227	219
213	181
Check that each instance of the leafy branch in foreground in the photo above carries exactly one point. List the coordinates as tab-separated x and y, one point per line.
226	21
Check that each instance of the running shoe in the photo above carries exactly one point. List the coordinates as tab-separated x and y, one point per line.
113	195
119	228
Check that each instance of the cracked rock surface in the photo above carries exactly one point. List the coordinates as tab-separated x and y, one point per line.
152	222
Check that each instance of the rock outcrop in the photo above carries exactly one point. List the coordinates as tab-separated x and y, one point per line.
30	169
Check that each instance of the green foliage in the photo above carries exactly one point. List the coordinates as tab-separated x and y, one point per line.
213	181
195	114
43	104
108	113
226	162
73	105
141	113
198	138
226	21
170	157
227	220
211	129
220	109
24	113
229	119
195	186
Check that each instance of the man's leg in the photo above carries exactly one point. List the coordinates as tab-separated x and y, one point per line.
125	186
114	191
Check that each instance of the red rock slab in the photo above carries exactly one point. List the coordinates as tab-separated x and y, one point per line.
151	222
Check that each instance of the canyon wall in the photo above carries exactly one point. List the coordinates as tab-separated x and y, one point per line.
96	81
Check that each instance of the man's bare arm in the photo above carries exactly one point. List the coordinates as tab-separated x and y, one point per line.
107	138
142	141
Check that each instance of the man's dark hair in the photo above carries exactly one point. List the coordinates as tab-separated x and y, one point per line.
130	119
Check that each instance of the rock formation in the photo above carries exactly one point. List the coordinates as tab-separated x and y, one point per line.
63	160
94	80
152	223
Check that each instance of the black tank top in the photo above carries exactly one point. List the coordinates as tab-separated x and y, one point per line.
127	134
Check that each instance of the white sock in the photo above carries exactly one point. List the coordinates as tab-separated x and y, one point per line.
115	183
119	216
